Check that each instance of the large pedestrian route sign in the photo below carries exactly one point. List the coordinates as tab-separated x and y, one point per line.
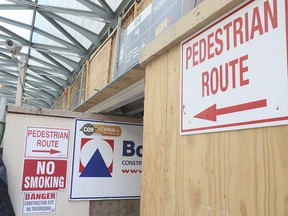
234	72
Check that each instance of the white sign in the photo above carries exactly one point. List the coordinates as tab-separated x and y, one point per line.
234	72
107	160
36	203
47	142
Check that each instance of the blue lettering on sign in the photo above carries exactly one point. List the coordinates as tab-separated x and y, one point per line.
129	149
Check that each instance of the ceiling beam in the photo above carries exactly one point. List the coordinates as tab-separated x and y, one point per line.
16	37
79	50
50	71
14	7
101	12
48	48
95	7
91	36
62	30
46	63
54	61
50	94
68	61
44	80
122	6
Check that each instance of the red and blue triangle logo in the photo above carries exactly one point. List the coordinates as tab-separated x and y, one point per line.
96	167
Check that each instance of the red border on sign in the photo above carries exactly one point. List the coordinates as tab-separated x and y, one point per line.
283	118
46	157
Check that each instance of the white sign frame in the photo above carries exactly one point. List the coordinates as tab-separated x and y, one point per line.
255	98
42	205
105	140
46	142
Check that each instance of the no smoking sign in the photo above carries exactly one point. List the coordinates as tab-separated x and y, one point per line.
44	175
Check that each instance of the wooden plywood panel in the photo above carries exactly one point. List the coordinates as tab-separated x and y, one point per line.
112	88
242	172
172	151
153	190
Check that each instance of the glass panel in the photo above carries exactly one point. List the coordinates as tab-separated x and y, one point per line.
112	3
63	3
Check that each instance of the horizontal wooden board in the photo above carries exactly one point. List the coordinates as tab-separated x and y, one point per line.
112	88
68	114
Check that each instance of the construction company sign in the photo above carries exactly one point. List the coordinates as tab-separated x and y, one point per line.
46	142
234	72
107	160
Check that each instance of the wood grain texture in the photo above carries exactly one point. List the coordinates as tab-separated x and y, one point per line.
153	184
68	114
234	173
112	88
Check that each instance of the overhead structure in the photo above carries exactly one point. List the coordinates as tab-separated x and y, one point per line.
57	37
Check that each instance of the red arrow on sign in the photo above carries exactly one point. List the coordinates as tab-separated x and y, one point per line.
212	112
51	151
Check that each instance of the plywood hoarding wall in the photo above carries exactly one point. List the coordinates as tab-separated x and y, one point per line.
228	173
241	172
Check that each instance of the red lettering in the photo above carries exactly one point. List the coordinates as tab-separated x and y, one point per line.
243	69
272	17
188	55
226	28
214	81
223	86
218	41
231	74
48	143
205	85
40	196
38	143
246	28
202	50
210	45
29	132
237	27
256	23
233	65
195	53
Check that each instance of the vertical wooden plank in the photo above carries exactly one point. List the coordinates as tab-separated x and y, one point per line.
174	166
154	144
